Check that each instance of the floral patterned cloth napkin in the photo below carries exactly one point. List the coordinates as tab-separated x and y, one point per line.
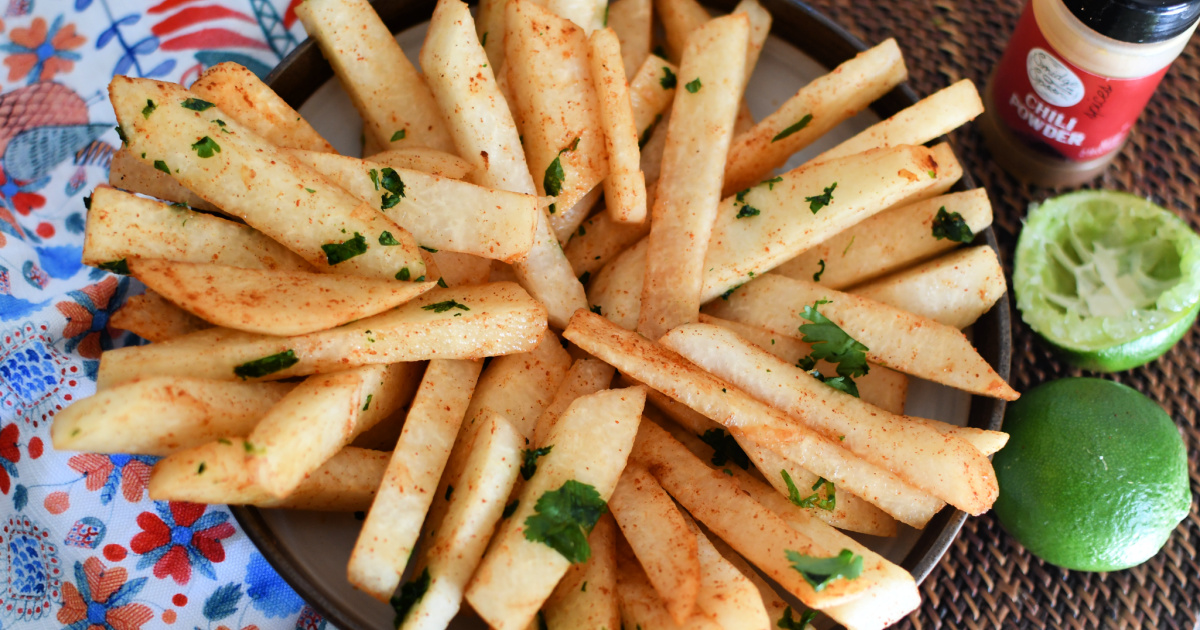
81	544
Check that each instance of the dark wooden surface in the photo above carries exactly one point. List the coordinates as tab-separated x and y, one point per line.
987	579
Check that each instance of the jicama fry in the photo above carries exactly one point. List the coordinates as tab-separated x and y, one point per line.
486	136
750	421
317	419
902	341
625	186
888	241
680	18
759	228
216	472
651	92
631	20
640	604
393	524
250	178
941	465
884	388
425	160
815	109
598	239
241	94
591	442
489	25
457	540
386	89
586	597
586	376
687	194
726	595
517	387
933	116
153	318
121	226
557	111
848	511
271	302
881	607
458	323
754	531
661	538
160	415
129	173
439	212
954	290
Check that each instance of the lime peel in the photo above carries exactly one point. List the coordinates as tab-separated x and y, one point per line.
1099	269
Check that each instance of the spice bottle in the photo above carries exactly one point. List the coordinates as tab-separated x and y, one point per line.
1074	79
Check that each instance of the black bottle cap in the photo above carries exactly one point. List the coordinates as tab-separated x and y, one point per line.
1136	21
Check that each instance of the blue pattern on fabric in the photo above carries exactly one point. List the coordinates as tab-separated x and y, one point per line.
83	546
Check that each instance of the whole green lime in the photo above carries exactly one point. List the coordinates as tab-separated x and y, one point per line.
1110	280
1094	476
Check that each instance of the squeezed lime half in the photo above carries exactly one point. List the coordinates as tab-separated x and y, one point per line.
1111	280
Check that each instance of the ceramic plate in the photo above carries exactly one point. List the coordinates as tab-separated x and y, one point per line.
310	550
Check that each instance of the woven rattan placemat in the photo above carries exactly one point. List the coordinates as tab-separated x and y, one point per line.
986	579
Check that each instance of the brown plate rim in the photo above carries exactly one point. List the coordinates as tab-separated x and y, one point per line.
304	70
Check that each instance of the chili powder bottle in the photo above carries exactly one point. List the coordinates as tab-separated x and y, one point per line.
1075	77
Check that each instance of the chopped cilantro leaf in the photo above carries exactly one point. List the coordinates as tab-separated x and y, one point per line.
200	470
659	51
87	202
205	147
788	622
529	459
831	343
747	211
442	283
817	276
121	134
196	105
596	309
149	108
585	277
367	405
563	518
552	181
391	182
849	244
120	267
404	274
250	448
429	249
693	86
442	307
668	80
341	252
374	175
399	135
841	383
725	448
410	594
309	190
266	365
814	499
800	124
162	166
952	226
483	40
386	239
819	572
816	202
646	134
510	508
771	182
725	295
224	441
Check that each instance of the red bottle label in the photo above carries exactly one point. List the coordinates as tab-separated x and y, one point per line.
1058	108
